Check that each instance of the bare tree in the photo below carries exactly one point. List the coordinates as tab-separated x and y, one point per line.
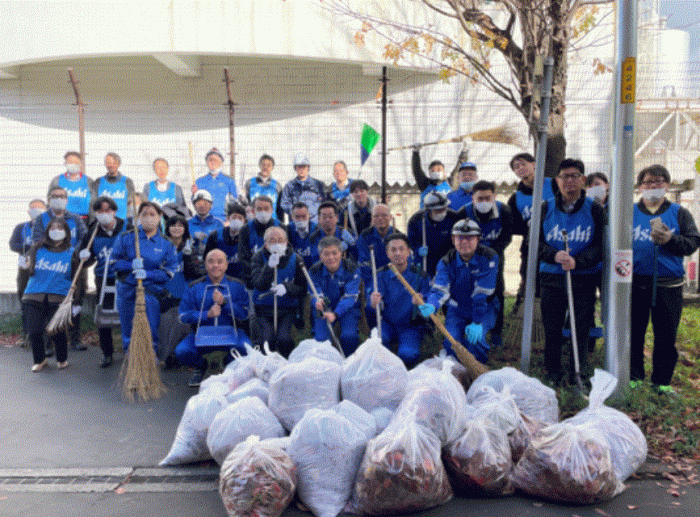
516	30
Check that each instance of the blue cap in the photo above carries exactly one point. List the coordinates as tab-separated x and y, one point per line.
467	165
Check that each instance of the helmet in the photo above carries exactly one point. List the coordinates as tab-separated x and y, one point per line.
301	159
202	194
467	165
435	201
466	227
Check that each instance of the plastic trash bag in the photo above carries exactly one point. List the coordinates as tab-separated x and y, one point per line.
479	461
327	449
443	361
358	416
234	423
319	349
257	479
253	388
382	416
298	387
628	446
190	443
272	362
531	396
373	376
401	472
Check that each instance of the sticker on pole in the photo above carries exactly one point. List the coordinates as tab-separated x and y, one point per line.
697	164
622	266
628	83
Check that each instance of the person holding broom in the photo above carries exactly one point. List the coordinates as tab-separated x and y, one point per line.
51	264
158	263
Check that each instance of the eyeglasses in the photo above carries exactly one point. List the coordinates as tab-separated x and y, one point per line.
657	181
569	177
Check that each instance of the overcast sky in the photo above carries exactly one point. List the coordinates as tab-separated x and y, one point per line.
684	14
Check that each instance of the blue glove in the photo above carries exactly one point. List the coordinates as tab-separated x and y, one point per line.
474	332
426	310
423	251
137	263
140	274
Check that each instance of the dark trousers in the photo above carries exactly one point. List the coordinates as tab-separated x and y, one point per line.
81	286
263	330
554	304
665	317
22	279
500	288
105	333
38	314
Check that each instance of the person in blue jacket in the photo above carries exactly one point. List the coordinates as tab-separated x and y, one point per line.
109	226
337	281
78	186
663	233
328	214
583	220
21	243
438	219
252	236
157	265
115	185
202	223
435	181
215	299
227	239
496	223
300	230
402	326
221	187
339	190
462	195
52	262
265	185
163	191
289	288
465	281
303	188
375	236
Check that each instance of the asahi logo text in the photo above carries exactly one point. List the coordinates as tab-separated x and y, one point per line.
578	234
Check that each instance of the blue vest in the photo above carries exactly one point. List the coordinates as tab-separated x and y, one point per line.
490	229
255	241
524	201
256	189
27	236
52	272
78	194
643	247
339	194
162	198
101	248
302	245
117	191
231	251
285	274
580	229
46	217
440	187
219	187
459	198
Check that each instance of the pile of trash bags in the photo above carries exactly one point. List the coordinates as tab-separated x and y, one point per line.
365	436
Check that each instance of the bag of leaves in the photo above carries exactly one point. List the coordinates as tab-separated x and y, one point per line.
257	479
531	396
401	472
272	362
373	376
298	387
628	446
234	423
358	416
190	443
442	361
253	388
479	461
327	449
319	349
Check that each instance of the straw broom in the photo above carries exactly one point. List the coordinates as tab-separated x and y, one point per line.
61	319
140	372
497	135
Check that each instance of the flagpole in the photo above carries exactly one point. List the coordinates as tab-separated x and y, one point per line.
384	81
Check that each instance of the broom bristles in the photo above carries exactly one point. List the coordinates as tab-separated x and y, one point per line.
140	370
498	135
61	319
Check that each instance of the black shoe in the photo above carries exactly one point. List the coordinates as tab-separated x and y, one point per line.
196	379
79	347
106	361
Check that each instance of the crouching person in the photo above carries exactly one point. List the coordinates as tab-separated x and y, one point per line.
466	281
277	274
211	300
402	326
337	281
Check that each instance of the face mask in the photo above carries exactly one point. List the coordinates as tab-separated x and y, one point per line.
35	212
278	249
235	224
104	218
72	168
57	234
435	175
467	185
58	203
215	172
653	194
302	226
149	222
596	192
438	216
263	217
483	206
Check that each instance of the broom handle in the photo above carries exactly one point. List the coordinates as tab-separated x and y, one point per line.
137	244
464	355
443	141
82	261
374	281
423	231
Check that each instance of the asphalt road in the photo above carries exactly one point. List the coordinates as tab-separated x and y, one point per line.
70	445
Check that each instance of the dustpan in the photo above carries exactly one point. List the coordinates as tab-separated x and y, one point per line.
217	336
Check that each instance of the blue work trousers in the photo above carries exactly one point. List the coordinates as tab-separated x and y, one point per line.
187	354
349	337
126	296
408	338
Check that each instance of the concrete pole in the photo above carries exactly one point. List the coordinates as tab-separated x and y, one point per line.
81	118
620	200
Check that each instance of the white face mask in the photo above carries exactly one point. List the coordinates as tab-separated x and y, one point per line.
596	192
437	216
57	234
653	194
215	172
435	175
72	168
278	249
483	207
235	224
35	212
302	226
467	185
149	222
263	217
58	203
104	218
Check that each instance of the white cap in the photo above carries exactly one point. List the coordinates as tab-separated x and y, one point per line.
301	159
202	194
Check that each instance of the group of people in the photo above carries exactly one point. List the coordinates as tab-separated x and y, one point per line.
249	262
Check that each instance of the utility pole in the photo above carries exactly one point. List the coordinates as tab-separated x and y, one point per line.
231	128
81	118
